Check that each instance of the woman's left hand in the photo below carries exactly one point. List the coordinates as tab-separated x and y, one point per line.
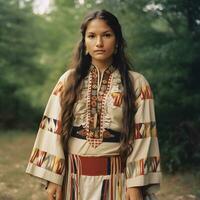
134	193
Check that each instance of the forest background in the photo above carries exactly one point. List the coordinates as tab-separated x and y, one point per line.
37	39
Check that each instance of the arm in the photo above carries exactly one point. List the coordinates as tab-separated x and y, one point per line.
143	165
47	161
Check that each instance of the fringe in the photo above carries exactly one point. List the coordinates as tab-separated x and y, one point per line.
111	188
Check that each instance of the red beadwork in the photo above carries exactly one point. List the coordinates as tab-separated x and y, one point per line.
96	104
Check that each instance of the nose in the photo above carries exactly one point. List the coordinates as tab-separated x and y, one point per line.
99	42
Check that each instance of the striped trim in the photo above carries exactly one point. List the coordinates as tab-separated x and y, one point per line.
143	166
47	161
105	190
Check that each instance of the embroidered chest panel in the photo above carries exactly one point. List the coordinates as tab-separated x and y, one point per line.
98	93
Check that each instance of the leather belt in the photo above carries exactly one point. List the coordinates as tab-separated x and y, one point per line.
108	135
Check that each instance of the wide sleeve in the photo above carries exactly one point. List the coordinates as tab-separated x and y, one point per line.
143	164
47	161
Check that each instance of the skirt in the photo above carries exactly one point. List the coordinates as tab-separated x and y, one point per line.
95	178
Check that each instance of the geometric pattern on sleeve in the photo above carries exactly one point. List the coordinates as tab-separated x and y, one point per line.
144	130
143	166
146	92
58	88
52	125
47	161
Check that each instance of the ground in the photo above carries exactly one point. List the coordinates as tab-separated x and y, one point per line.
15	149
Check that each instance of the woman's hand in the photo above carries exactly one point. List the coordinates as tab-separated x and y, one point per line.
134	193
54	191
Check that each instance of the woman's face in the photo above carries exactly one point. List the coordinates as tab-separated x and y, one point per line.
100	41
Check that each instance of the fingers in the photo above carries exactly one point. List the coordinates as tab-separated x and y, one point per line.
51	192
51	196
54	191
55	196
58	194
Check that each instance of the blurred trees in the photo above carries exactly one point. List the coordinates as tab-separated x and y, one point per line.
163	39
164	42
19	68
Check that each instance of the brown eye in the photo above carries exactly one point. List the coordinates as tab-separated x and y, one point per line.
91	36
107	35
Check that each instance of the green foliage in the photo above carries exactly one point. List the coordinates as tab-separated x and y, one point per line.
18	64
181	147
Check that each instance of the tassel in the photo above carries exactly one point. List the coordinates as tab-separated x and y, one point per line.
119	181
111	179
119	187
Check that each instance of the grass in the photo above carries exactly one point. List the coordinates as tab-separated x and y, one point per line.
15	149
14	153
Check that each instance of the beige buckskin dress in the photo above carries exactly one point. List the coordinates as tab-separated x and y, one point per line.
95	171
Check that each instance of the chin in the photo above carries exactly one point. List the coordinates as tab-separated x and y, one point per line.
102	58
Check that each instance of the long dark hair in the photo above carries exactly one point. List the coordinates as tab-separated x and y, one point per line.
81	64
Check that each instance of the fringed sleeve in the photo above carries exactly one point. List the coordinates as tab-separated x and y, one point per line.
143	165
47	158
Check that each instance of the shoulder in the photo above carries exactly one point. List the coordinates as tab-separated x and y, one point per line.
65	75
61	82
141	85
138	78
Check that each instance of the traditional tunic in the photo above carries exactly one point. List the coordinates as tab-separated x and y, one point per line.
95	170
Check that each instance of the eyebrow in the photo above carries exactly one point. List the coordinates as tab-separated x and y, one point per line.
102	32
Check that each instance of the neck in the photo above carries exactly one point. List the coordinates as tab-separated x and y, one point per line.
102	65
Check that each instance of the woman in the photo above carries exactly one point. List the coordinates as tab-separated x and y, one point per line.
97	139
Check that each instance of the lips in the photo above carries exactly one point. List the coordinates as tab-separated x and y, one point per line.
99	51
